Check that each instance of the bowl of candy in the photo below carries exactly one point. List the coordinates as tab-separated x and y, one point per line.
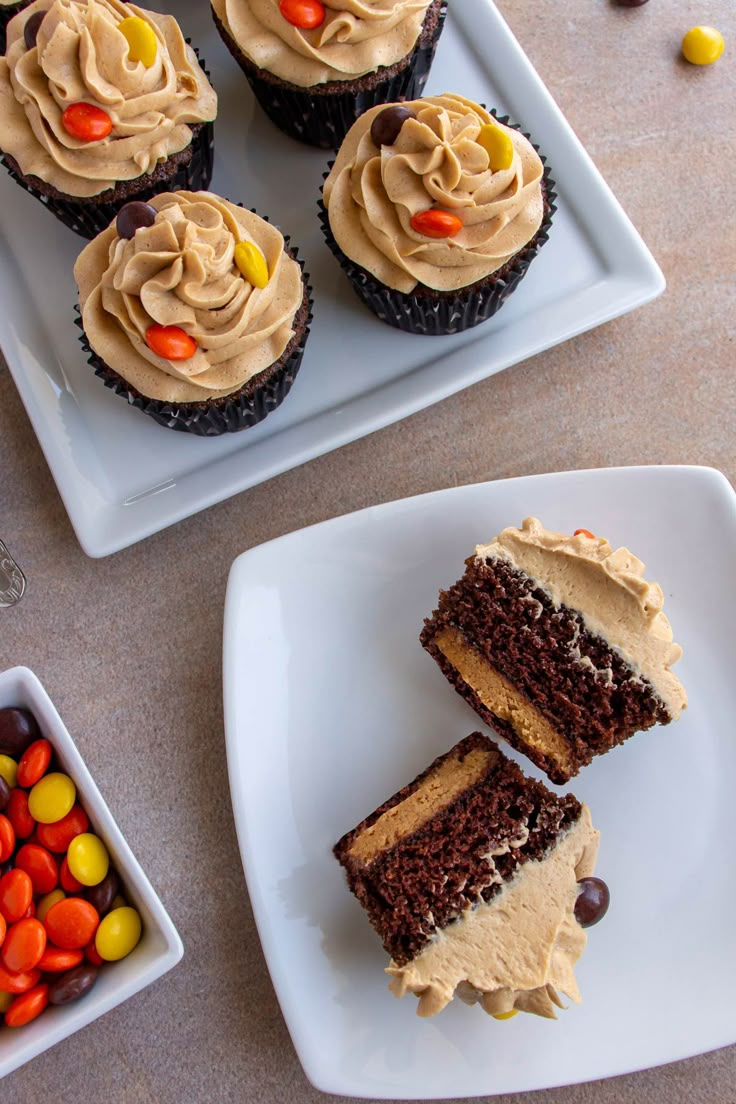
81	928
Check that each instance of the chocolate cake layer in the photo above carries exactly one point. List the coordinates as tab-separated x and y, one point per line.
534	672
448	840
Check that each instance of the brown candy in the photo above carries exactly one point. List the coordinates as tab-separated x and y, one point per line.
73	984
134	216
4	793
386	126
102	895
32	27
18	729
592	902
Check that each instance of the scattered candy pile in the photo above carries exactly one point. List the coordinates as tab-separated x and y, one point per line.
61	914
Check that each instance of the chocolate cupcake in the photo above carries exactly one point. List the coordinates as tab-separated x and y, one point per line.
435	209
102	102
9	8
195	310
316	67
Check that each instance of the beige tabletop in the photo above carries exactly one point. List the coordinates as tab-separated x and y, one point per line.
129	646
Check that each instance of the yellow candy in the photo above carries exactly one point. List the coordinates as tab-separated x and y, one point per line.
506	1015
8	770
498	145
47	901
702	45
142	41
51	798
251	263
6	999
118	934
88	859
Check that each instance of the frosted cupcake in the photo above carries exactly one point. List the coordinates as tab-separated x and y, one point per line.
9	8
435	210
195	310
315	67
102	102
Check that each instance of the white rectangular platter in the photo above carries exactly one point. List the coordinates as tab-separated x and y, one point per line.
331	705
122	477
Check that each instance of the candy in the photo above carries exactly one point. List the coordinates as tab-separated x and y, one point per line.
506	1015
435	223
55	961
86	122
170	342
5	793
135	215
31	29
702	45
498	145
40	866
71	923
386	126
17	729
88	859
9	770
118	934
305	14
73	985
16	895
584	533
18	983
592	901
6	999
46	902
141	38
252	263
59	835
7	838
67	879
92	955
3	928
52	798
28	1006
34	763
104	893
24	945
18	815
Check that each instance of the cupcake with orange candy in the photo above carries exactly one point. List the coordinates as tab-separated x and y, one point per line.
102	102
435	209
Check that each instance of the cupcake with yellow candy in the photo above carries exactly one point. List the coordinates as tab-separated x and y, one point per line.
435	209
194	310
102	102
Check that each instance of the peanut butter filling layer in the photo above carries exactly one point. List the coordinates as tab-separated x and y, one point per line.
498	695
437	790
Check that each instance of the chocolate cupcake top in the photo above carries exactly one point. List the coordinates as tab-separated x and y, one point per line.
434	192
199	298
339	40
96	92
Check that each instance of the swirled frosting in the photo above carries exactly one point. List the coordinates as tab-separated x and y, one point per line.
80	56
518	949
357	37
371	195
608	589
181	272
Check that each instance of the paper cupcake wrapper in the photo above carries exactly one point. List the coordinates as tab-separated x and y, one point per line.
6	14
88	217
445	313
228	415
324	118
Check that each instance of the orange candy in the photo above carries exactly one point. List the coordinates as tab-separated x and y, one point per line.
71	923
18	815
584	533
55	961
435	223
33	763
26	1007
16	895
170	342
304	14
7	838
67	879
58	836
93	955
11	982
86	122
40	866
24	945
3	929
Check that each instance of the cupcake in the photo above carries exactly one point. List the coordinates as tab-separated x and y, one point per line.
316	67
195	310
102	102
435	209
9	8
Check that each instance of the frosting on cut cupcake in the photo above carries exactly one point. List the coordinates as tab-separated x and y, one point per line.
356	37
436	161
80	56
181	271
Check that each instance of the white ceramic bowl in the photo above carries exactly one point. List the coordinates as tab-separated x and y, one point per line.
160	947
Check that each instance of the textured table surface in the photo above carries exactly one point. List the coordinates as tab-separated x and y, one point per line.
129	647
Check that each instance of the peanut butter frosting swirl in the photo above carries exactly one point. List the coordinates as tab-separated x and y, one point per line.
356	37
371	195
181	272
80	56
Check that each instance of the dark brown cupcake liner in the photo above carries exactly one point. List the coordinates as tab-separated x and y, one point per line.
438	313
89	216
258	397
322	115
6	14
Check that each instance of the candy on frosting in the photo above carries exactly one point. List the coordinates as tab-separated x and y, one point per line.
80	56
181	272
356	37
371	195
607	588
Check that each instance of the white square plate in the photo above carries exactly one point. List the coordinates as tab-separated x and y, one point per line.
122	477
160	947
331	705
